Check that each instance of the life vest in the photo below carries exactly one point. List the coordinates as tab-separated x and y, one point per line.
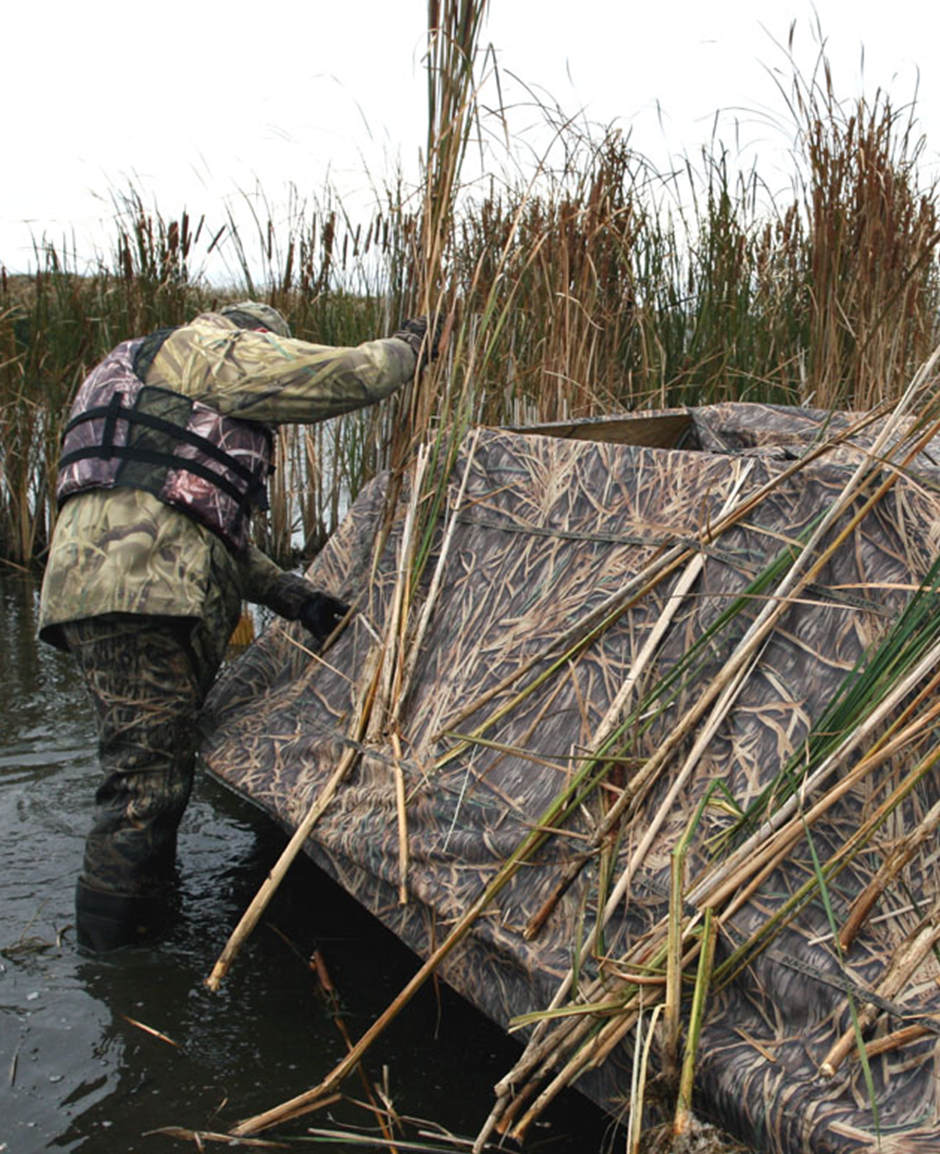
124	433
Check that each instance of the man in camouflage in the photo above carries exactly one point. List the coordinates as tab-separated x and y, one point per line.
166	451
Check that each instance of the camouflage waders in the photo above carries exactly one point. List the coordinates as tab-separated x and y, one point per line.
147	678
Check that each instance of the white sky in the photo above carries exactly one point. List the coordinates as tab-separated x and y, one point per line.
194	101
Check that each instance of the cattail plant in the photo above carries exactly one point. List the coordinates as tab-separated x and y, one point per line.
581	286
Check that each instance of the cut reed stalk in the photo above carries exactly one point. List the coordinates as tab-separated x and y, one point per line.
889	870
397	614
653	641
897	1039
402	811
672	1004
414	643
702	982
269	887
641	1062
908	957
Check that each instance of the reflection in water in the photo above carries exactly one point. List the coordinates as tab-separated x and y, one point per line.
77	1074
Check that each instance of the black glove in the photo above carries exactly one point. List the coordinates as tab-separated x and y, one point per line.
413	332
321	613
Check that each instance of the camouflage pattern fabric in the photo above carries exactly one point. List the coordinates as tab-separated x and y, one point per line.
147	678
124	551
547	531
263	377
208	465
254	314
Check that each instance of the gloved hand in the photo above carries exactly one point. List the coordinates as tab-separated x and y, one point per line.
321	613
413	332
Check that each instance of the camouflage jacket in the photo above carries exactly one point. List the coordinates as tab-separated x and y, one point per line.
125	551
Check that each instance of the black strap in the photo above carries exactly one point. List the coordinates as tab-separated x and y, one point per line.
110	412
114	411
153	457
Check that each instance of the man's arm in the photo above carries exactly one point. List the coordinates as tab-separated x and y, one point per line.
289	595
259	376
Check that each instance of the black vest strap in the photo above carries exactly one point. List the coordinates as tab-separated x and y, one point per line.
167	460
110	412
255	493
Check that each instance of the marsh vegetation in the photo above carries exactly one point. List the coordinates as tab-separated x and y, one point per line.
585	283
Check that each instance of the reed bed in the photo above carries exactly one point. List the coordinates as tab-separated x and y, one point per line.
589	286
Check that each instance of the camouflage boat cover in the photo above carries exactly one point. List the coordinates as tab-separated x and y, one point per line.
551	523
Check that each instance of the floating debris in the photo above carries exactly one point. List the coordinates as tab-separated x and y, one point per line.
150	1030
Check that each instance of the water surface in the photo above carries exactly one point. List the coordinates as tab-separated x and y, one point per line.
77	1074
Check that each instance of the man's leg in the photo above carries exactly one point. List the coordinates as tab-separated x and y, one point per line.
141	675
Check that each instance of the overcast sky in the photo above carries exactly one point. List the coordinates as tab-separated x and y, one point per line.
195	102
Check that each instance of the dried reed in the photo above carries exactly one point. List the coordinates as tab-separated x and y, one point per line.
594	287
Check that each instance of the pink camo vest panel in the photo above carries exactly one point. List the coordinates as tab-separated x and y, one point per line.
123	433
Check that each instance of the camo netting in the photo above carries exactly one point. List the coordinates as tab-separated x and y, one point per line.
548	527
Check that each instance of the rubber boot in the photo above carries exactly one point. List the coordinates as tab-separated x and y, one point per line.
107	921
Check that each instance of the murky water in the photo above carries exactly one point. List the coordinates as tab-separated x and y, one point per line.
77	1074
